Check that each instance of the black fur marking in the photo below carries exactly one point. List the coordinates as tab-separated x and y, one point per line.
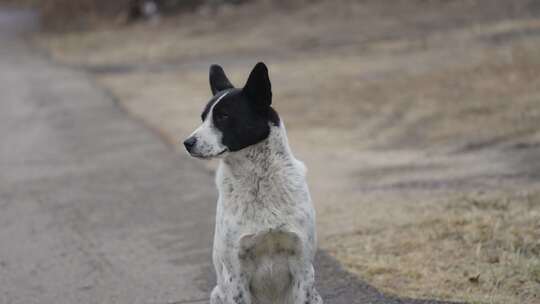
244	115
209	105
218	79
258	86
239	298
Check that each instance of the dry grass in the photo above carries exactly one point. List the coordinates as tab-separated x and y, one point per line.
473	248
402	123
69	15
347	28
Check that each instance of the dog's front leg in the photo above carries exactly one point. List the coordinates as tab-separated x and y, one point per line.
303	289
234	288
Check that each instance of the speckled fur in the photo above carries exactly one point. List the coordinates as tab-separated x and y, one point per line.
265	238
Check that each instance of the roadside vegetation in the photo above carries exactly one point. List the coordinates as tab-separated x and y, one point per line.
474	248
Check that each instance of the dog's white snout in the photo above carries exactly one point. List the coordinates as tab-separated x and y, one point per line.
205	141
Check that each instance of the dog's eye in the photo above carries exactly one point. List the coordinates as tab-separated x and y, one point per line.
222	117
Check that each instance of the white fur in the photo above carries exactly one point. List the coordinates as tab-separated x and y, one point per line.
265	238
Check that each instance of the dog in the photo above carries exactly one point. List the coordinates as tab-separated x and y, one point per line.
265	238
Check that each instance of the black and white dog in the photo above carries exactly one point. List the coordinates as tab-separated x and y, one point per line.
265	238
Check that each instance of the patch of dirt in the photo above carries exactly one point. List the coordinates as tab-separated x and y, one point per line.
419	122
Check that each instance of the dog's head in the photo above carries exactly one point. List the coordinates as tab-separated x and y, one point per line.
234	118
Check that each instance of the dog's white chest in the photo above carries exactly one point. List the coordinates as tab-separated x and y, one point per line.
253	202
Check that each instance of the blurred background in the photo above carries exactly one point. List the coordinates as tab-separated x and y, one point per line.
419	120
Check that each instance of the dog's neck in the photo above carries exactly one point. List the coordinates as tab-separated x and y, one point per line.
263	158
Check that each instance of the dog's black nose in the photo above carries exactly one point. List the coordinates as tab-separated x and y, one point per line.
190	143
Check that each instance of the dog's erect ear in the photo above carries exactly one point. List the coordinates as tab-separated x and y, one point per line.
258	87
218	79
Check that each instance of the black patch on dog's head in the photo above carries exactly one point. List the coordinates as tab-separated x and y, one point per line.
242	115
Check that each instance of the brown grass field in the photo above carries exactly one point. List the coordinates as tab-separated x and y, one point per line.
419	122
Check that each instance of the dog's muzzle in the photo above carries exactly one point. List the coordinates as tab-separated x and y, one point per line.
190	143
